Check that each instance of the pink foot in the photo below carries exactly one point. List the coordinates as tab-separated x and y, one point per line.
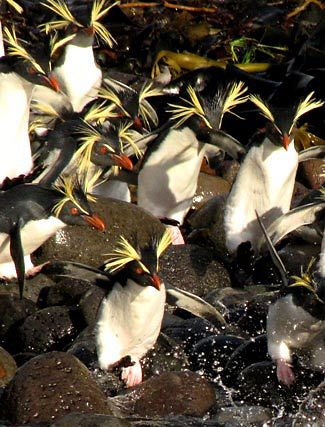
176	235
132	375
284	372
35	270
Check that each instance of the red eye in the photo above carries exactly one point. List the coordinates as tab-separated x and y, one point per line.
74	211
120	114
139	270
103	149
31	70
202	124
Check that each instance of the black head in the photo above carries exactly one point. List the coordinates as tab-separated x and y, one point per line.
72	206
30	61
82	19
139	263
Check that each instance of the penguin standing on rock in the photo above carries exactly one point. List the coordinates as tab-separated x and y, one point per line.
169	171
266	178
296	319
19	73
30	214
130	315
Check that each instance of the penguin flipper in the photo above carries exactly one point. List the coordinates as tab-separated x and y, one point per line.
290	221
274	255
194	304
17	255
223	140
316	152
75	270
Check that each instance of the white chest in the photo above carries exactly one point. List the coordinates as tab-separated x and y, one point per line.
33	235
168	180
79	76
264	185
129	322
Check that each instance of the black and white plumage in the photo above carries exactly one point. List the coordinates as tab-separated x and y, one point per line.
76	69
130	315
296	319
30	214
265	181
168	175
19	73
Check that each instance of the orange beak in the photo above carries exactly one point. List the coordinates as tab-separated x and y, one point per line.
52	83
155	281
123	161
138	124
286	141
95	221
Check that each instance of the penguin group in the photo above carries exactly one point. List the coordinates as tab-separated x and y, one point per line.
90	130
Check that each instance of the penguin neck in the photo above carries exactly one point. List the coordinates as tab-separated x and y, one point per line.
15	97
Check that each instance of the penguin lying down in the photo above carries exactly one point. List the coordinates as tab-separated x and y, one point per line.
130	315
296	319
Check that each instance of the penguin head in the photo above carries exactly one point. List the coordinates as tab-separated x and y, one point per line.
139	263
207	107
282	116
81	23
30	62
102	146
308	291
128	103
72	206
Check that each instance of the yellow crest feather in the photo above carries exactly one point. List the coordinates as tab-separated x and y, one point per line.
306	105
306	280
265	110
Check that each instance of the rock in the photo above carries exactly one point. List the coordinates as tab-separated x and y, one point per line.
50	386
208	186
90	420
311	411
312	172
48	329
192	268
228	169
211	354
243	416
8	367
120	218
172	393
13	309
207	225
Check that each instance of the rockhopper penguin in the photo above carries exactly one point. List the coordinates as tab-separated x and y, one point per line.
30	214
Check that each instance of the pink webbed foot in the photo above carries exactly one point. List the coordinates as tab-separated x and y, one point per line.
176	235
132	375
284	372
32	272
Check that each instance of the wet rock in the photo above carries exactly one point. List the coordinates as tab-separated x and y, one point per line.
171	393
312	172
192	268
50	386
89	304
90	420
207	225
13	309
208	186
8	367
48	329
243	416
249	352
84	347
88	246
228	169
212	353
190	331
311	411
66	292
166	355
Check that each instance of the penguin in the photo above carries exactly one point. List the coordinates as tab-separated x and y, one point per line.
76	69
296	319
170	167
30	214
266	177
19	73
75	144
